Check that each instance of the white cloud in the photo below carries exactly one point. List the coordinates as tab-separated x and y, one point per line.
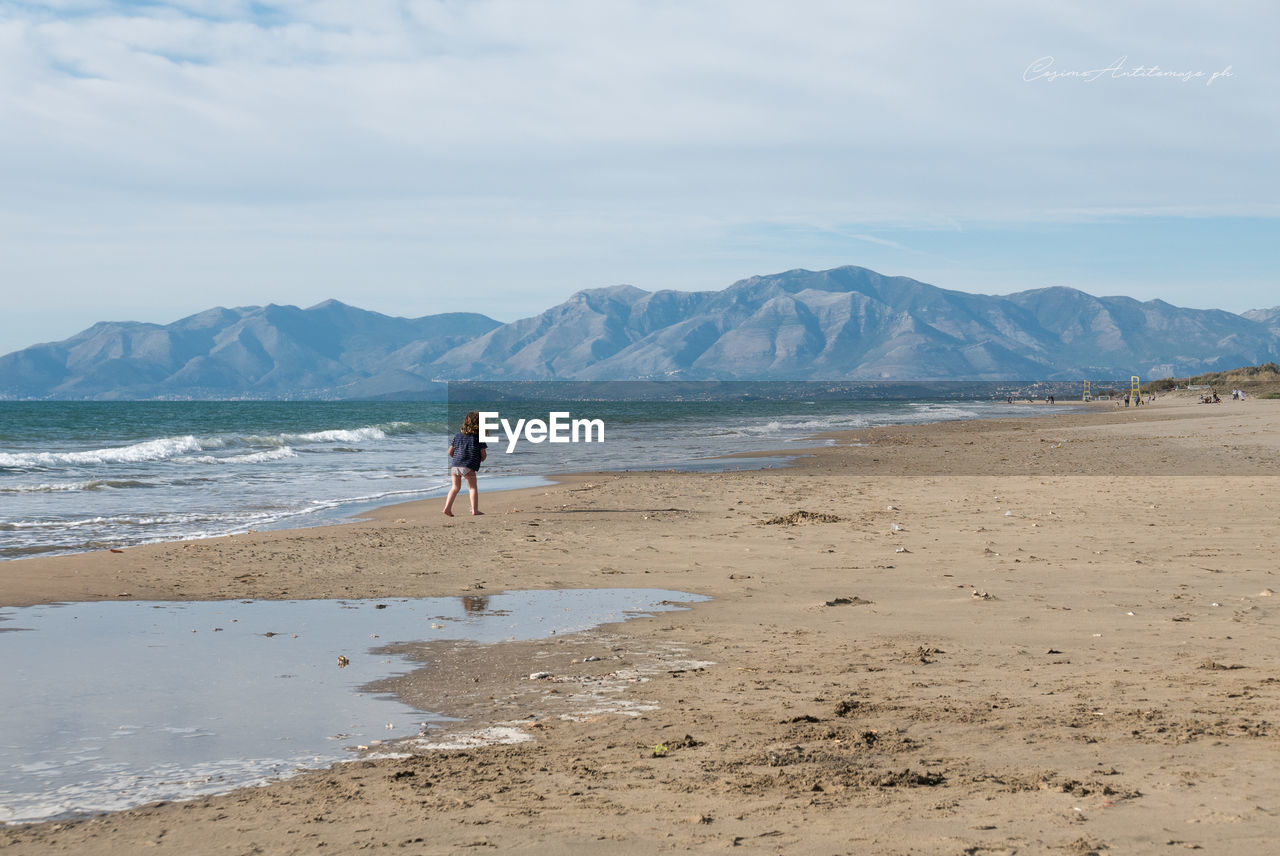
620	121
878	94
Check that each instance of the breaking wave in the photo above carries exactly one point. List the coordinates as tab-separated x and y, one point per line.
943	412
276	454
91	484
267	447
149	450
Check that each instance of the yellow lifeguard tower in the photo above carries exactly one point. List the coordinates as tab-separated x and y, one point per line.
1135	390
1088	396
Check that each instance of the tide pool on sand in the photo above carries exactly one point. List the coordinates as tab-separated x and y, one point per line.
109	705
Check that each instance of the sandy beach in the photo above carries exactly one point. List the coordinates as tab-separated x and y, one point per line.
1020	636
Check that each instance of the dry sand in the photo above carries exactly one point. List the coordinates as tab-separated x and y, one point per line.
1044	635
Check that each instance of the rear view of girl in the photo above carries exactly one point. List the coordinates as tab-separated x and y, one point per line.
466	452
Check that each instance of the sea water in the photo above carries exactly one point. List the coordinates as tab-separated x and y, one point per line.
78	476
110	705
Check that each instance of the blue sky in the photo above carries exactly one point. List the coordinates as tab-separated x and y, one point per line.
420	156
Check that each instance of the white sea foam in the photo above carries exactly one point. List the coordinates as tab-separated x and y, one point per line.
19	525
64	487
166	519
262	457
333	435
937	412
797	428
165	448
276	454
498	735
108	789
92	484
149	450
341	436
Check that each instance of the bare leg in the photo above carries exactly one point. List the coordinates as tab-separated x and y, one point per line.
474	493
453	494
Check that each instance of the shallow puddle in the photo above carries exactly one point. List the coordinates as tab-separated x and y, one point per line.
114	704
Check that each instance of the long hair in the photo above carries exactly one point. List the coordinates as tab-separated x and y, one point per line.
471	423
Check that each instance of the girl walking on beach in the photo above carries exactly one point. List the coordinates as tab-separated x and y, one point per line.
465	455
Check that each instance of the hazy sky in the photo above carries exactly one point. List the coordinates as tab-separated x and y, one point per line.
421	156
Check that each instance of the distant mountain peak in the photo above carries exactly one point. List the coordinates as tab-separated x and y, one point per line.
1267	317
620	290
846	323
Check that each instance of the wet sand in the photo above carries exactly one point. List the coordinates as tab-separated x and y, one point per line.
1042	635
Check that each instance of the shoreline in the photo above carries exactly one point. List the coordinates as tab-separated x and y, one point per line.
329	507
62	565
860	672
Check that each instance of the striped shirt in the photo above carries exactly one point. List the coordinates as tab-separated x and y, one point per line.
466	450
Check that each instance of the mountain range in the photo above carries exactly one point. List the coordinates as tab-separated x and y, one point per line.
848	323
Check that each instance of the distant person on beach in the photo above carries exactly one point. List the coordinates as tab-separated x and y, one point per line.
466	453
